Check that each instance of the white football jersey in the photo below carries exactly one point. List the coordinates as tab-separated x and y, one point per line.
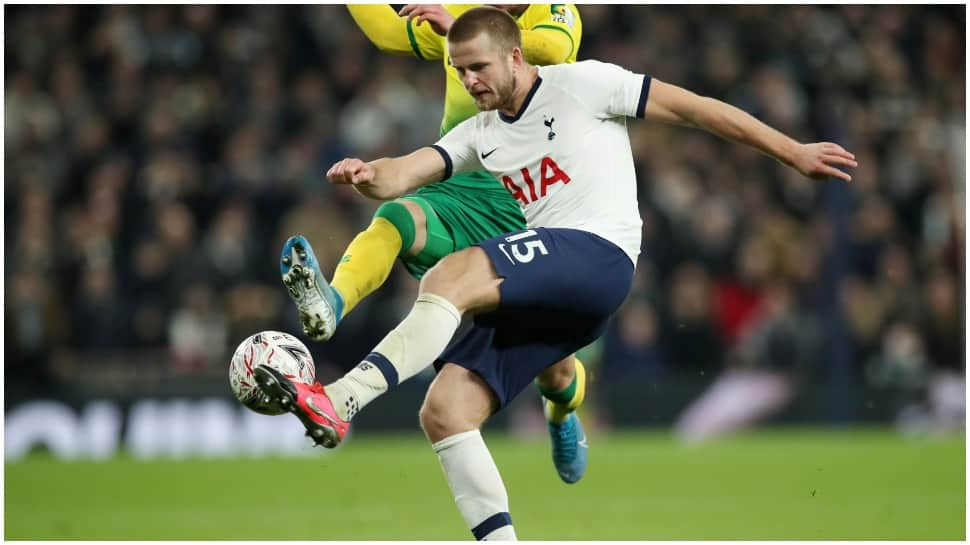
566	156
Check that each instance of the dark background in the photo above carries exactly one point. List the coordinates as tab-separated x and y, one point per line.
156	157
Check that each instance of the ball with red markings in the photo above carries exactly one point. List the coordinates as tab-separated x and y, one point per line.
281	351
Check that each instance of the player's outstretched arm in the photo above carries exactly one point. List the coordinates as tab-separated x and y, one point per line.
390	178
673	104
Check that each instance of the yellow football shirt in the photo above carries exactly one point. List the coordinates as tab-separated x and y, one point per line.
551	34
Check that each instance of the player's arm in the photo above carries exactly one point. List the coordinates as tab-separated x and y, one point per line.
383	27
543	46
673	104
552	35
389	178
402	33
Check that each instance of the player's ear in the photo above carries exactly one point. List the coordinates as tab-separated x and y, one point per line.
517	58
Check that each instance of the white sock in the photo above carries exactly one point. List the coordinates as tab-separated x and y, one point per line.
410	347
476	484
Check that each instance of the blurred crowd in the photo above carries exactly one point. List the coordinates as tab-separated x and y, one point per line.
156	157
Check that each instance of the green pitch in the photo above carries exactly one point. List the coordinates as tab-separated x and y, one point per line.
771	485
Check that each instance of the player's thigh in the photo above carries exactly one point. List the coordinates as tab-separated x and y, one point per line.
433	238
467	279
461	212
458	400
420	221
560	274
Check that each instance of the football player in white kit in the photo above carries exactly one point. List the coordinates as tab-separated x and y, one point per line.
556	137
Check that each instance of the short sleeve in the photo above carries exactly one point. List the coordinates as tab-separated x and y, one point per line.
608	89
458	149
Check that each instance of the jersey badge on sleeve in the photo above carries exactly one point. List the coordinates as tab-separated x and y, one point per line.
562	14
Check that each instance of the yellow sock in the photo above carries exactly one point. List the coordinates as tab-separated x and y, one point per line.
367	263
557	410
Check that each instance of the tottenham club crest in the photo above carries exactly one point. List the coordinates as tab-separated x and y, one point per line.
548	121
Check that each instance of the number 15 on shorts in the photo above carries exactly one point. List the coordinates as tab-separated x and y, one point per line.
519	249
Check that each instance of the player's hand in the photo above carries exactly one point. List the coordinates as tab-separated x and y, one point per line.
437	16
823	160
351	171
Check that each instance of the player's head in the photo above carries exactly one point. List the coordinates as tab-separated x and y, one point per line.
485	46
514	9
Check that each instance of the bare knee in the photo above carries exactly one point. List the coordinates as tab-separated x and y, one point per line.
439	421
558	376
457	401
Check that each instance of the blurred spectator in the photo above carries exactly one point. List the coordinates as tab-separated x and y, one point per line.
198	331
689	334
157	157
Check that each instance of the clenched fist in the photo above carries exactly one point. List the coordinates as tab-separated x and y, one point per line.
351	171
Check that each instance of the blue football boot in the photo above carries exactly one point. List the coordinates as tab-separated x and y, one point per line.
311	292
569	447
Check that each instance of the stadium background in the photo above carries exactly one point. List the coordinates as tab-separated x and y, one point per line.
156	157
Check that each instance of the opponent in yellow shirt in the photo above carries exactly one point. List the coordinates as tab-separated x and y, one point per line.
448	216
550	35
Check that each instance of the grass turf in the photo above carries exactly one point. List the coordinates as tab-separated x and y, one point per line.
809	485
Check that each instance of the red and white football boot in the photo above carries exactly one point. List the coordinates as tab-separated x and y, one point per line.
309	403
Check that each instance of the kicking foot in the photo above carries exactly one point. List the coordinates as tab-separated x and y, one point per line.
309	403
306	285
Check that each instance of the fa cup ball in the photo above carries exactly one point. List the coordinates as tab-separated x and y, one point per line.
281	351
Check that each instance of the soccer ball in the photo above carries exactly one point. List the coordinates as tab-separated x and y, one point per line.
282	352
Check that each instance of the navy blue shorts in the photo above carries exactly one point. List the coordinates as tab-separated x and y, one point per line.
560	288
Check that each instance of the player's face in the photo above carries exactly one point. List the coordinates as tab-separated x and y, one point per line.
486	73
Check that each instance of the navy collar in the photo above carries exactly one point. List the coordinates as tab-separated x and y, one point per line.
525	103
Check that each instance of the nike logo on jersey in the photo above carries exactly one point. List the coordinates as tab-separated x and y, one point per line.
485	155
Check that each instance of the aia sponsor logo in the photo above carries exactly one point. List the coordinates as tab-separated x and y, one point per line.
528	191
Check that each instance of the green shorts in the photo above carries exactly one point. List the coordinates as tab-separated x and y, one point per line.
462	211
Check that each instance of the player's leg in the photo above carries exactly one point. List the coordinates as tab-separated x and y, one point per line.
433	239
399	228
457	223
463	281
474	280
464	211
457	404
563	386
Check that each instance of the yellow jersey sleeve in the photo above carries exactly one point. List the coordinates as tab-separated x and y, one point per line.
551	33
425	42
383	27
